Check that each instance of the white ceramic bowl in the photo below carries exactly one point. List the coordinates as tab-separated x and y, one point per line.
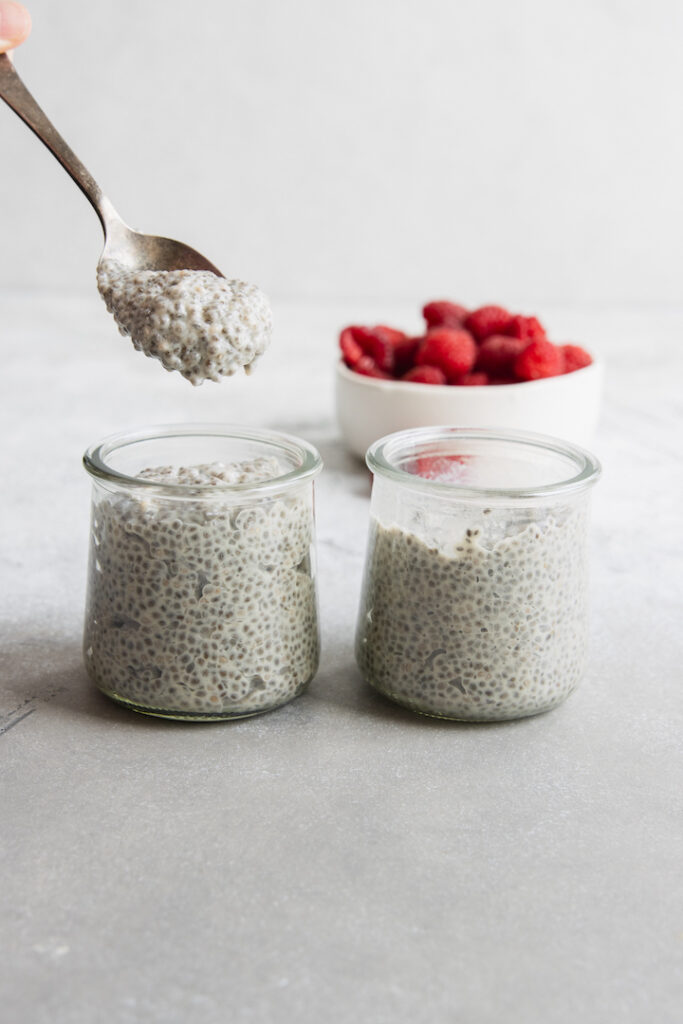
566	407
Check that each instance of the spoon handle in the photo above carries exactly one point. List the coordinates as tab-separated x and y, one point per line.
16	95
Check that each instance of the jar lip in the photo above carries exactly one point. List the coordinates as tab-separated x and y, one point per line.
379	460
95	458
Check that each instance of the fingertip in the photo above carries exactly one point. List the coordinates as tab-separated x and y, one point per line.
15	24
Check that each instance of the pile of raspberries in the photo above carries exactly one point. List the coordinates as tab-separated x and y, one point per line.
485	346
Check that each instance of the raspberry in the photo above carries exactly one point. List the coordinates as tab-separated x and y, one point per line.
365	335
379	343
382	351
473	380
446	468
452	351
488	320
497	354
539	359
444	314
351	350
527	328
575	358
503	380
367	366
425	375
404	355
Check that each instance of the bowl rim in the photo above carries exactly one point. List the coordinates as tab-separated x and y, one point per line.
345	373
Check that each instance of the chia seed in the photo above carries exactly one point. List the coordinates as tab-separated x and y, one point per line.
202	608
479	631
195	322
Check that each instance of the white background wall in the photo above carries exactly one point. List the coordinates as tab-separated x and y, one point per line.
527	151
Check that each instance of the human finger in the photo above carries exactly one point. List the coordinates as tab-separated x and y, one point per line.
15	24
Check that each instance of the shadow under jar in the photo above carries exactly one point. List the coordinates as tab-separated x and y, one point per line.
474	602
202	600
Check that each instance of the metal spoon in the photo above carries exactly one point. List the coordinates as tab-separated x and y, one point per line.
121	243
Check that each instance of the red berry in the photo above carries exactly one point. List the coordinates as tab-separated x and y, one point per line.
539	359
367	366
575	357
351	350
446	468
379	343
382	351
355	331
473	380
497	354
528	328
503	380
365	335
488	320
425	375
404	355
451	350
444	314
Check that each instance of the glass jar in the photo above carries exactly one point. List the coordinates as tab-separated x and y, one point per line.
202	598
474	602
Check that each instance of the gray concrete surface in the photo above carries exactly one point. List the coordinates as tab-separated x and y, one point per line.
339	860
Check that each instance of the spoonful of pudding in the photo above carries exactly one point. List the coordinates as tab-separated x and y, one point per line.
173	303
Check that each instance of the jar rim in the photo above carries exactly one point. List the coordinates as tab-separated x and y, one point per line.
380	454
95	458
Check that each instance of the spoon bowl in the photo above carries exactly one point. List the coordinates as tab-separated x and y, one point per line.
138	251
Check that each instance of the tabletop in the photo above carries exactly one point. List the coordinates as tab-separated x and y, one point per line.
339	859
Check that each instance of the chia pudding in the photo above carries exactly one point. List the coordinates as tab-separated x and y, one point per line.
202	607
202	325
477	628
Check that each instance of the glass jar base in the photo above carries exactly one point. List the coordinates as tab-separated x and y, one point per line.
194	716
476	717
